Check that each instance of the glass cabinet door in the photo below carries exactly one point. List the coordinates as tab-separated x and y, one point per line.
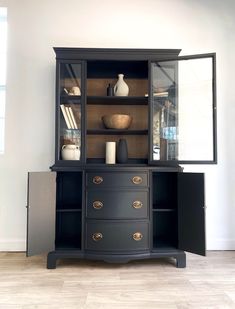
69	112
183	110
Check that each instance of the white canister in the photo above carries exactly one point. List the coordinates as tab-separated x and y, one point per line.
110	157
70	152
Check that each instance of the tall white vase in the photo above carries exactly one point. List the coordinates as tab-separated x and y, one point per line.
121	88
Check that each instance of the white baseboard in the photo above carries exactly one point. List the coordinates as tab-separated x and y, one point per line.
212	244
221	244
12	245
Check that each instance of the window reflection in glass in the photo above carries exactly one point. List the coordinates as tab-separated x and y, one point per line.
182	99
3	48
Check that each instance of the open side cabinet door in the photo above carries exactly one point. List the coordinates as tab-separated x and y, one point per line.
41	212
191	213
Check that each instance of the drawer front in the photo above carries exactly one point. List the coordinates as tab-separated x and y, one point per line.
119	204
118	179
117	236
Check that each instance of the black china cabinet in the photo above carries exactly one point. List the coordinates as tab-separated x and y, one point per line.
146	207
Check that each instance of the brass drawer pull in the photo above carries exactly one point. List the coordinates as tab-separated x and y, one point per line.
137	180
137	204
97	180
97	236
97	204
137	236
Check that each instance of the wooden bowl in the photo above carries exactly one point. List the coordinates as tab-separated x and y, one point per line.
117	121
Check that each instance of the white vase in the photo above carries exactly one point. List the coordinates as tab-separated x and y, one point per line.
70	152
121	88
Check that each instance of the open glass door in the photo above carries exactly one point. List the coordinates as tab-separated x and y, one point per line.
183	110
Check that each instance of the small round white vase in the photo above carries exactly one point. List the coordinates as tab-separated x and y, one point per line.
70	152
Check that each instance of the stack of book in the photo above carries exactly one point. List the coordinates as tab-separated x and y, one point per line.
69	117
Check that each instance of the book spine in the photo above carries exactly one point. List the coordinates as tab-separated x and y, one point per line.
69	117
65	116
73	118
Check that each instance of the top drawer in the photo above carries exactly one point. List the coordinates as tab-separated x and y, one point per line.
118	179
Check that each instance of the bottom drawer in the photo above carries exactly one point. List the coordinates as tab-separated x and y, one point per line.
117	236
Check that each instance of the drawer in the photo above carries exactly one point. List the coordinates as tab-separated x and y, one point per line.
117	236
117	179
121	204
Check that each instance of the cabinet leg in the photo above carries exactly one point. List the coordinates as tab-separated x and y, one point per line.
51	261
181	260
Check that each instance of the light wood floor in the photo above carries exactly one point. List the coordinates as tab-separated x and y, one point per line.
209	282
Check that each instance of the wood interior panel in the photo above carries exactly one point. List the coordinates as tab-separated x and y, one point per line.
69	82
138	112
137	145
98	86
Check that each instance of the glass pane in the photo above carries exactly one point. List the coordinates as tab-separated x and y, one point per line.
2	127
165	115
3	48
182	101
2	69
3	29
2	101
70	111
70	79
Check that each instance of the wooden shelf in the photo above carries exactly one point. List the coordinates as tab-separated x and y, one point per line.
163	209
68	244
160	243
75	99
69	210
116	132
100	163
102	100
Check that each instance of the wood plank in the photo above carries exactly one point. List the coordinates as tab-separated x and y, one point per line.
207	282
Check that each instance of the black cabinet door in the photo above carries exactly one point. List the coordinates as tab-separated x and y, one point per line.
191	213
41	212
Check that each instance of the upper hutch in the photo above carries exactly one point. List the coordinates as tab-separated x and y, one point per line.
147	207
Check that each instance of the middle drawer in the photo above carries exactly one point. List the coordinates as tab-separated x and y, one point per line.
121	204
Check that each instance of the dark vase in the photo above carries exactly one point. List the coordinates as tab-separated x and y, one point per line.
122	151
110	90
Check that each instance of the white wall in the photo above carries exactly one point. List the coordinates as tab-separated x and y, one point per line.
195	26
